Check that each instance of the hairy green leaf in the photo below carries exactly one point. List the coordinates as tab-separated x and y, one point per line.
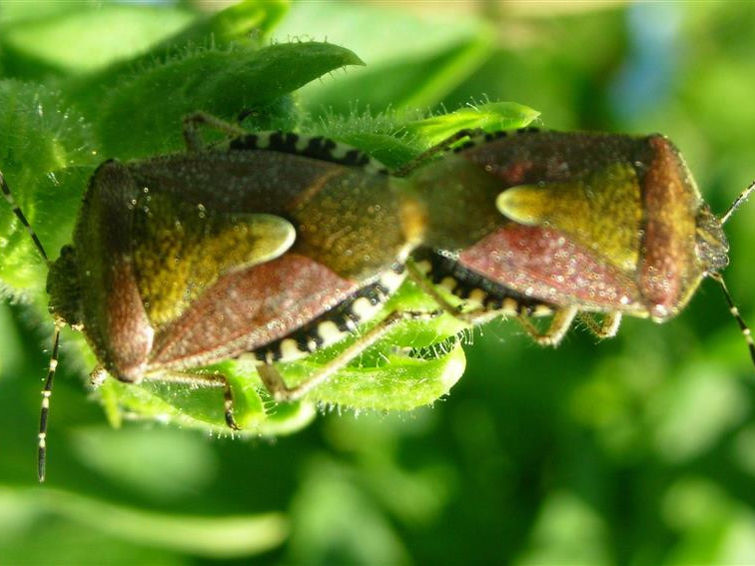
142	115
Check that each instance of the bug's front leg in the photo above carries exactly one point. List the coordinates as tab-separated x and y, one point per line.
97	377
277	387
192	122
606	328
435	150
472	317
559	326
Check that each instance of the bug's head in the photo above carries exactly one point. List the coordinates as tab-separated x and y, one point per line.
711	244
64	288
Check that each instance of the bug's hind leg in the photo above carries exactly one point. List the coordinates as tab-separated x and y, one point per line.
202	380
474	316
559	326
282	392
192	123
606	328
432	152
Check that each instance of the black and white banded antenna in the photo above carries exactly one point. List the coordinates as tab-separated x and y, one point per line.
47	389
744	329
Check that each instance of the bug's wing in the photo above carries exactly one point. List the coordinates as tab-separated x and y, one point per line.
602	211
568	215
574	240
180	249
249	308
205	273
628	205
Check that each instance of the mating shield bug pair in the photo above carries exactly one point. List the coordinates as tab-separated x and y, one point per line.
275	245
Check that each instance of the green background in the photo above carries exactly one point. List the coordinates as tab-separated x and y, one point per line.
638	450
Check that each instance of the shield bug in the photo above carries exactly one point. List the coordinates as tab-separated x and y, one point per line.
567	225
271	245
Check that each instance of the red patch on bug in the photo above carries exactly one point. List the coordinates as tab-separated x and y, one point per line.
127	324
670	205
545	264
247	309
514	174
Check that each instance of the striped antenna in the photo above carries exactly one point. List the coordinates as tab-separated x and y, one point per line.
735	313
45	412
737	202
20	215
720	280
47	390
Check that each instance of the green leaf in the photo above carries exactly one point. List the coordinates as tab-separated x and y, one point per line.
392	374
394	141
113	38
43	148
488	117
399	383
202	408
222	83
104	34
246	23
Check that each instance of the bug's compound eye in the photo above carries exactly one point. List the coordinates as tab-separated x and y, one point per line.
67	257
711	245
63	287
67	251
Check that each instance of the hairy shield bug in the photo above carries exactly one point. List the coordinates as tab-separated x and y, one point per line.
272	245
567	224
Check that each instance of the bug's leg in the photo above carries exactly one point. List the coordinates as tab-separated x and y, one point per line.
192	122
244	114
202	380
97	377
282	392
45	411
422	282
474	316
606	328
562	320
428	288
428	154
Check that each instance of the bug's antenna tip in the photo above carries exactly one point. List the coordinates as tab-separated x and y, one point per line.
21	217
735	313
45	410
41	462
737	203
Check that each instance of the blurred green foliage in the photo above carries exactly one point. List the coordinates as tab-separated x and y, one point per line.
636	451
